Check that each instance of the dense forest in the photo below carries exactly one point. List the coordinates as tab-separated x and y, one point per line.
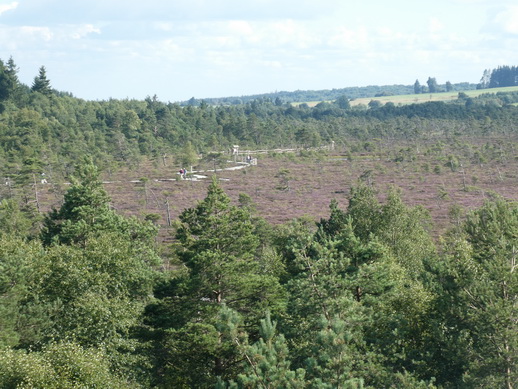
367	297
325	94
500	77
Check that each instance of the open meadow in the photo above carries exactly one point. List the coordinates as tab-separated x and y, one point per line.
424	97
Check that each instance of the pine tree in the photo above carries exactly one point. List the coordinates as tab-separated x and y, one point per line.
86	213
335	357
268	364
41	83
379	269
483	290
6	82
217	244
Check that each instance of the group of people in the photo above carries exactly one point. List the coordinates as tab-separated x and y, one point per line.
183	173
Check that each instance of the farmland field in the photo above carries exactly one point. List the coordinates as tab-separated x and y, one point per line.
424	97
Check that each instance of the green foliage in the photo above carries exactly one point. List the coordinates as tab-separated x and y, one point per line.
13	221
216	242
41	83
503	76
360	299
188	156
268	364
361	267
489	287
284	175
86	213
402	229
432	85
336	355
7	83
123	131
343	102
100	287
58	366
18	323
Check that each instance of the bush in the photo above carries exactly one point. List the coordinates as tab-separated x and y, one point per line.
64	365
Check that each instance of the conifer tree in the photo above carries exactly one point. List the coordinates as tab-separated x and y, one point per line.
86	213
362	280
41	83
6	82
335	361
217	244
482	289
268	364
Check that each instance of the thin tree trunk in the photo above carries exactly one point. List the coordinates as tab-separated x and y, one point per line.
168	212
36	193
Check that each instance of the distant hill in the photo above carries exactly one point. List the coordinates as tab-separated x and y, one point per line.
306	96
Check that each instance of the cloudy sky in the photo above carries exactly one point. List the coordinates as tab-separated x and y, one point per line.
178	49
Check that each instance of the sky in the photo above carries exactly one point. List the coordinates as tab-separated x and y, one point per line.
102	49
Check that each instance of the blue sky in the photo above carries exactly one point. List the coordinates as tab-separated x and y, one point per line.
101	49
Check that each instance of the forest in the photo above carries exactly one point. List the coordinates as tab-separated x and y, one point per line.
367	296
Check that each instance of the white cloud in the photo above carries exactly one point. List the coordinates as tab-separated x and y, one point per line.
253	45
8	7
81	31
508	20
240	27
33	33
435	26
346	38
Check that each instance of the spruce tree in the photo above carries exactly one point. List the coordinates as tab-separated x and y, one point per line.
41	83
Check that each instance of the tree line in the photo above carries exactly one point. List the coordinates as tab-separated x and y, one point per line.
280	97
44	129
500	77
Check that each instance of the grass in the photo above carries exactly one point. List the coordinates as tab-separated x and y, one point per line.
424	97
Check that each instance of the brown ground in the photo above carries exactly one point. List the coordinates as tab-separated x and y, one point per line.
313	183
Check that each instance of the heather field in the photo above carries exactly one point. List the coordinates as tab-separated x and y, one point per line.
283	186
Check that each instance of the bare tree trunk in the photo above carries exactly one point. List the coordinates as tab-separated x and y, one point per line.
464	178
168	212
36	192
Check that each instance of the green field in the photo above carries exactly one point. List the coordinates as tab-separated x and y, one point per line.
425	97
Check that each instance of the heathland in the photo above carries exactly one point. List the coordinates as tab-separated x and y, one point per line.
368	245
